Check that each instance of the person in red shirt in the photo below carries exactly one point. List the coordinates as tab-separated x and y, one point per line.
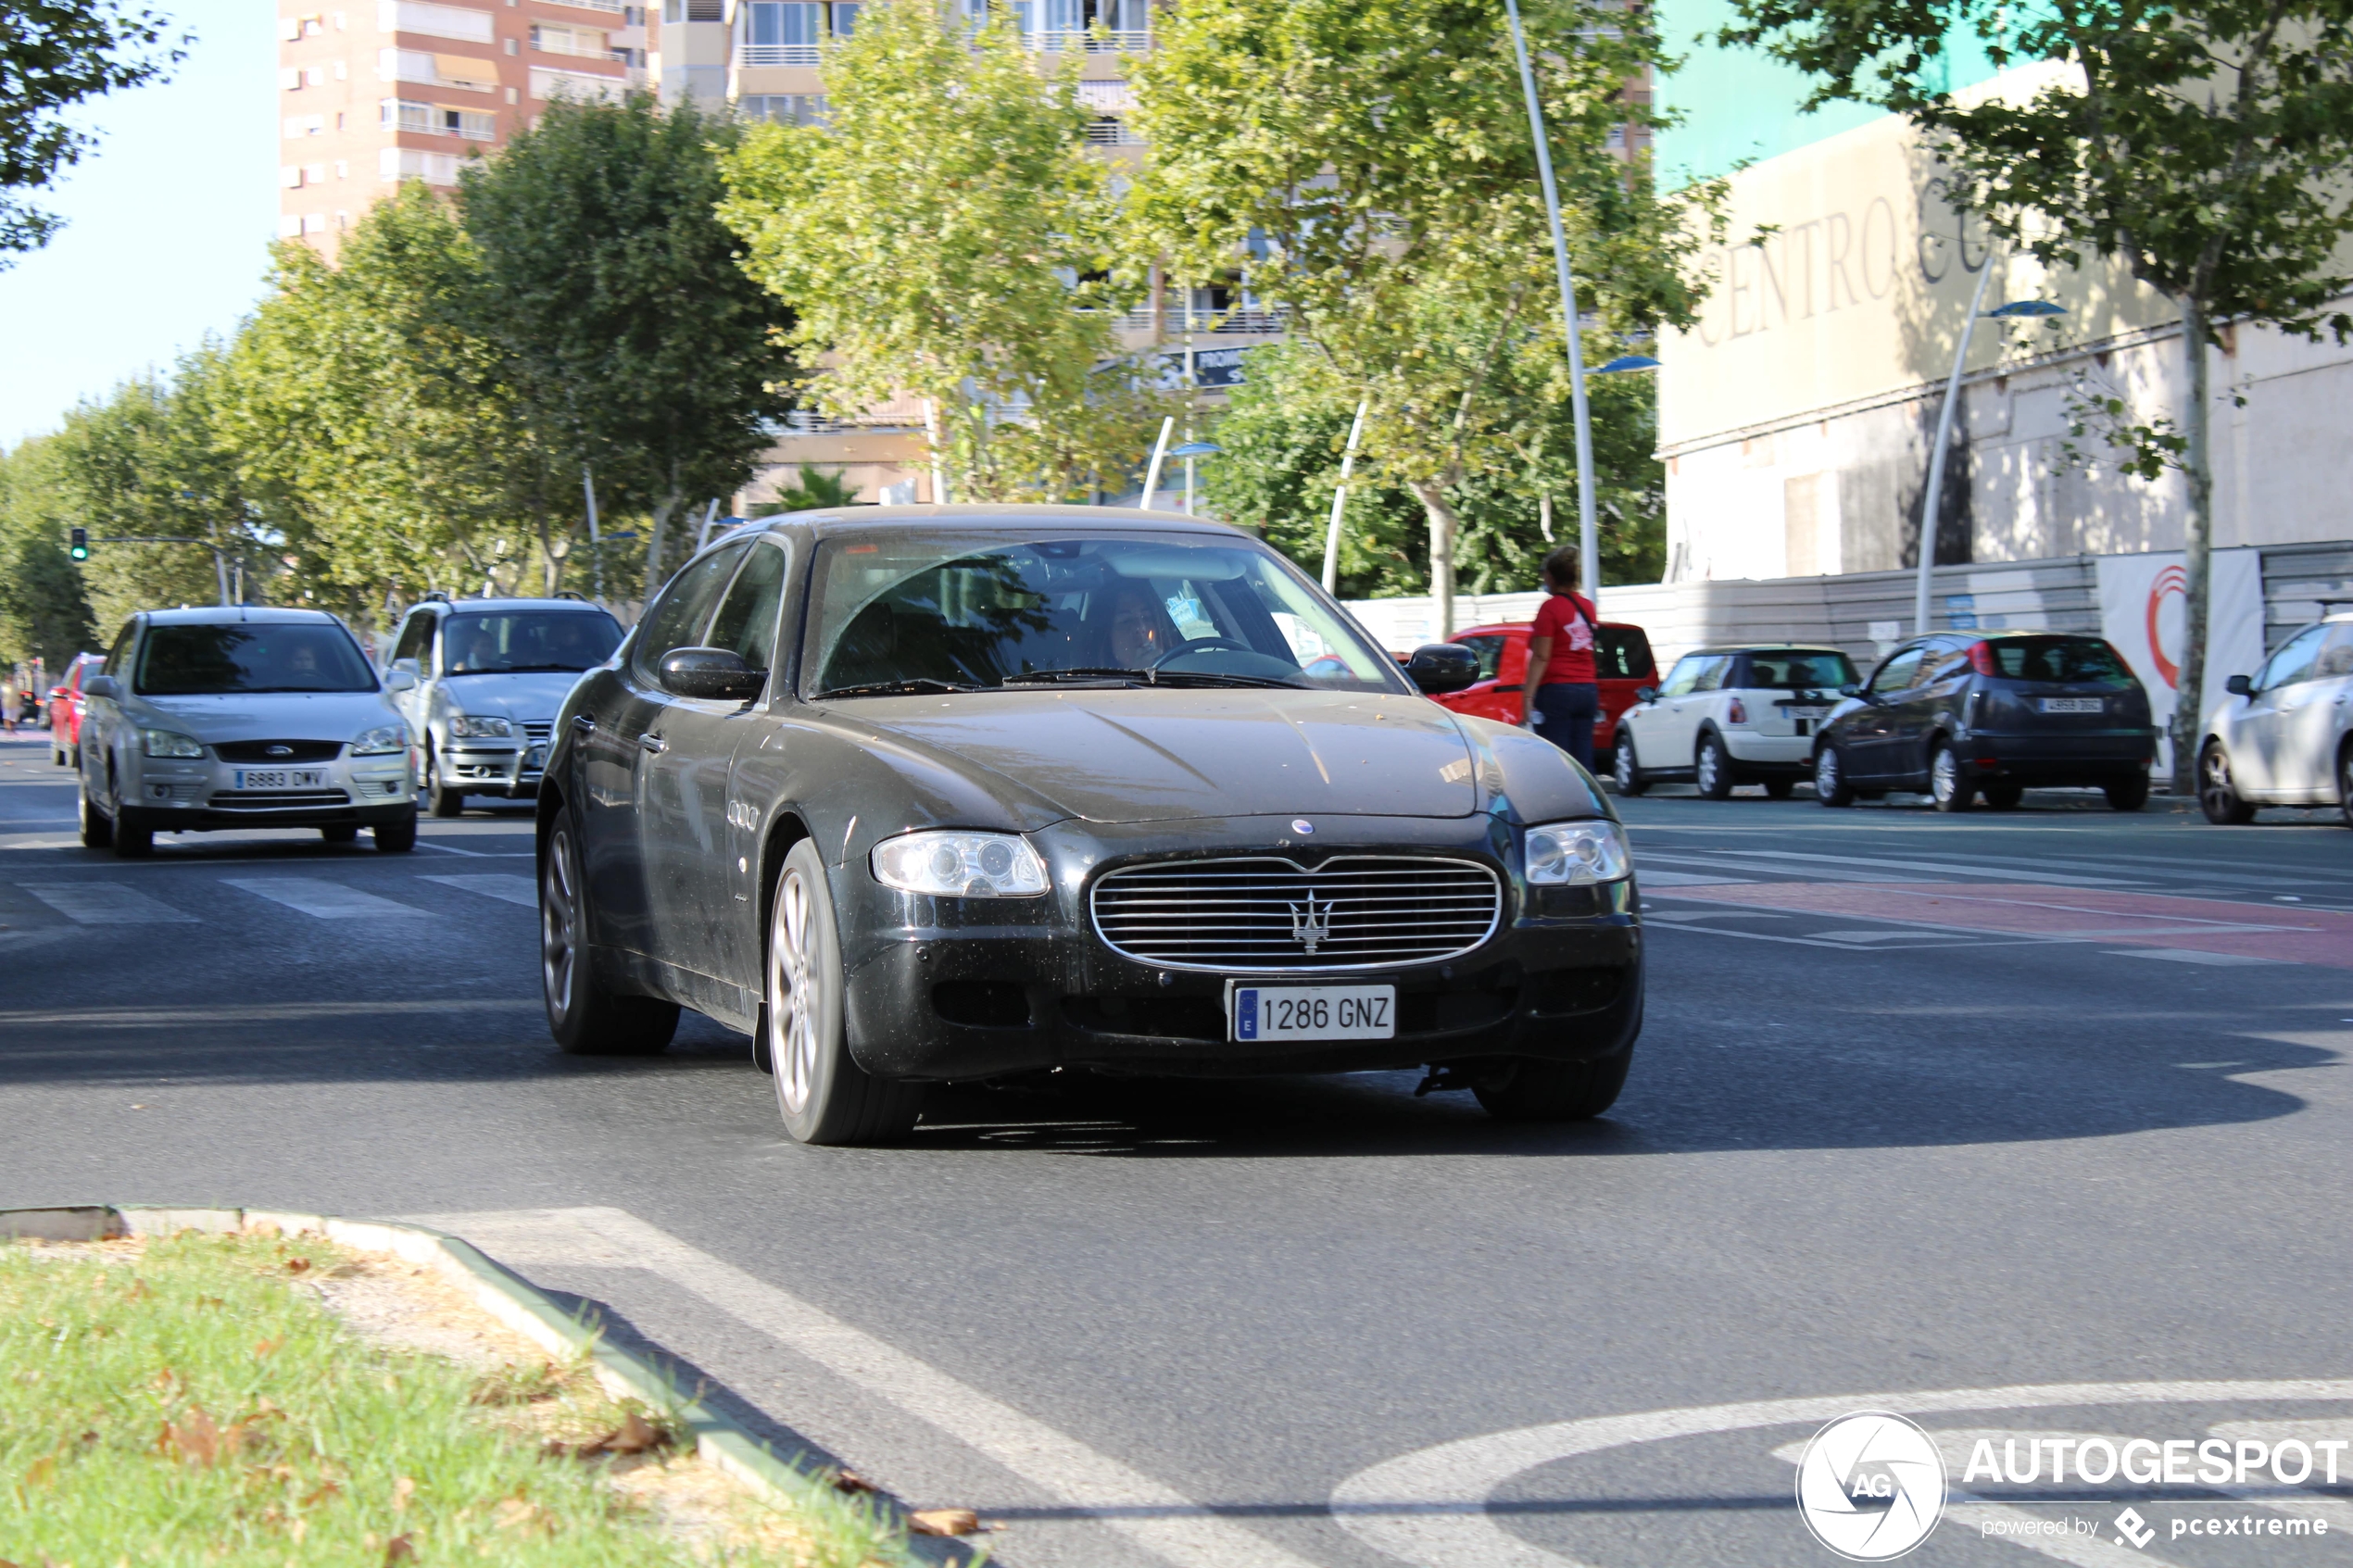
1562	698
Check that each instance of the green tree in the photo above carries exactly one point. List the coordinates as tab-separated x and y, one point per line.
633	342
148	462
933	238
371	428
55	55
2202	144
1379	150
812	492
44	614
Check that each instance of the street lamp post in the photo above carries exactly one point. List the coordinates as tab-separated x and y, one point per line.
2016	309
1188	451
1588	542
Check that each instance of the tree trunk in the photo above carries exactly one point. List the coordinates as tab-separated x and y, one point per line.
669	503
2189	710
1443	528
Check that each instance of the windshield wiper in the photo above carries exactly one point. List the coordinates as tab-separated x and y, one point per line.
898	688
1077	672
1147	677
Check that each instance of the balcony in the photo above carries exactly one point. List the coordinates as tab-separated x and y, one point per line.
1108	132
1093	42
775	55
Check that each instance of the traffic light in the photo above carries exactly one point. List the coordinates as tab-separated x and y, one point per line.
77	543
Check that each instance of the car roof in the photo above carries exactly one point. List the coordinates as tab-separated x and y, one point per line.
233	615
456	607
828	521
1762	647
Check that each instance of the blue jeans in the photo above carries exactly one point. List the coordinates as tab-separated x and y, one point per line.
1564	715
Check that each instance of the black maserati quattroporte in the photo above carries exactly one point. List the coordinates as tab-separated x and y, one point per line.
928	793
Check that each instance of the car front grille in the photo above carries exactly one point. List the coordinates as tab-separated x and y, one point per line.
538	732
277	799
278	750
1266	913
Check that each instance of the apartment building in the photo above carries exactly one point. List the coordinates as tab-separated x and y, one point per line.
409	88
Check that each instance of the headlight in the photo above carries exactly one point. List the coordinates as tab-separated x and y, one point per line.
471	725
969	865
1577	853
384	740
169	743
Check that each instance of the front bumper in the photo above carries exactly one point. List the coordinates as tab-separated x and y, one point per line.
492	767
203	797
949	989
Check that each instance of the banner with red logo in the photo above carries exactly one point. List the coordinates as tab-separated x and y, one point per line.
2141	600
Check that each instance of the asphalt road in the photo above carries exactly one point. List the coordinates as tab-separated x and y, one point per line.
1924	1107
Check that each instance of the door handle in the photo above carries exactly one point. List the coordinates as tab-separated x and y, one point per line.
585	722
653	742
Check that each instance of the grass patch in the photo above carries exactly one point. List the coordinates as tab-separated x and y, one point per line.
188	1402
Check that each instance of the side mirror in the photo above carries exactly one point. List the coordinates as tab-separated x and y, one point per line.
2239	685
1442	667
408	667
400	680
1645	694
719	673
101	685
1850	691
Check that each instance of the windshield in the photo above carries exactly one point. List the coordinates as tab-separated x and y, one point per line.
527	639
971	611
252	656
2067	659
1805	670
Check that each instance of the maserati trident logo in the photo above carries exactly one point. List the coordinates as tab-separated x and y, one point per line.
1312	926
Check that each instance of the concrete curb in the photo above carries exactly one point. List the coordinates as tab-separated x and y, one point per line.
717	1439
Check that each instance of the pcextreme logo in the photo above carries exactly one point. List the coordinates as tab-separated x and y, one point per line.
1870	1485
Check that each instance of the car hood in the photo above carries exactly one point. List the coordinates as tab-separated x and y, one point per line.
532	697
1151	756
236	716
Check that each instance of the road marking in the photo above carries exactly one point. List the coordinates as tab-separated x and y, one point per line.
105	903
1645	873
262	1012
497	885
313	895
2186	955
1962	868
1430	1507
1720	869
452	849
1154	1516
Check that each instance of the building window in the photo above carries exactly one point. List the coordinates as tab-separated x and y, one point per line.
412	163
436	21
584	42
578	85
289	226
842	15
290	176
306	125
314	222
784	108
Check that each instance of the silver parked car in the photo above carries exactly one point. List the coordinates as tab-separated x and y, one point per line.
236	718
487	677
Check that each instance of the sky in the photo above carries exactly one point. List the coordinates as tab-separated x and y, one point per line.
168	223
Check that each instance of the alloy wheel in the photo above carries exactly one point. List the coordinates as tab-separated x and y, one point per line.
559	923
1706	770
1622	765
1826	771
1945	774
2218	795
792	994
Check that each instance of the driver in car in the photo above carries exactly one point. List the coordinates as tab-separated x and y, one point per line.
1140	634
482	651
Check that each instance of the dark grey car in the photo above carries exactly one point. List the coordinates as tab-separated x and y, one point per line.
918	794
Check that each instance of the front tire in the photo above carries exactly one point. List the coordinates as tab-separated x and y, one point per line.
1830	787
2345	783
396	838
440	800
2217	796
586	1017
1712	769
1947	786
1535	1090
97	828
1624	771
824	1095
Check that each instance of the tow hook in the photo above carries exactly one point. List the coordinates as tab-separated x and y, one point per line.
1443	1078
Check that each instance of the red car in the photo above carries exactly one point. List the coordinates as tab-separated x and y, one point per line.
64	710
1622	658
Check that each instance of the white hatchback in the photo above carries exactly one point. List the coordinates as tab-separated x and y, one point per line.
1726	717
2285	735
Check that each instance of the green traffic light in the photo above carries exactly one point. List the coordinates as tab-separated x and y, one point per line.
79	544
